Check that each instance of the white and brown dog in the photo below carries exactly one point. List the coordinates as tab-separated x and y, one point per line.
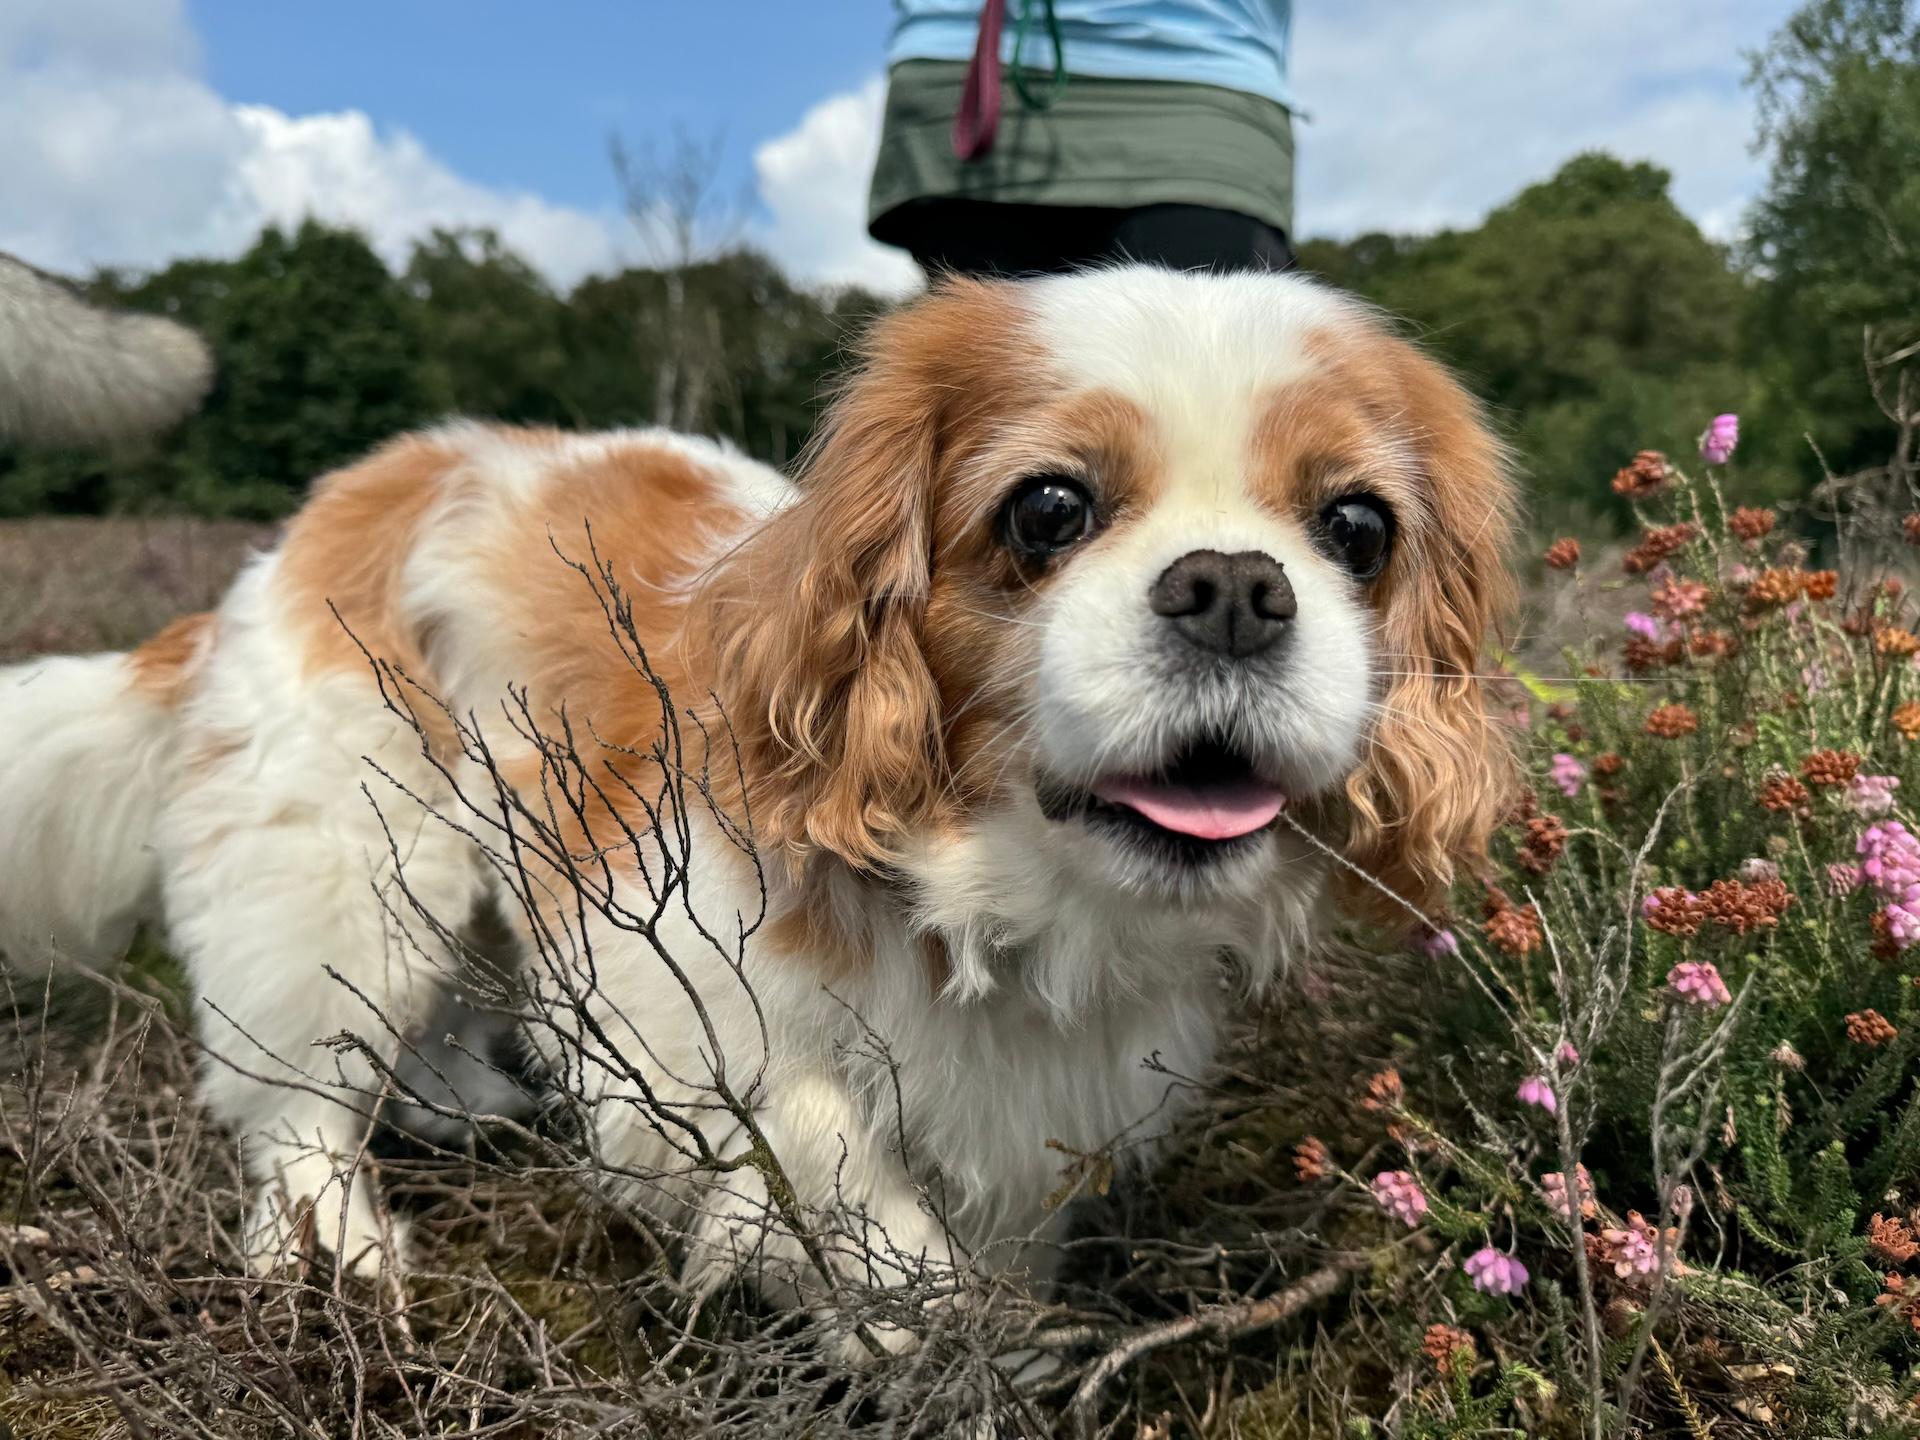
1098	594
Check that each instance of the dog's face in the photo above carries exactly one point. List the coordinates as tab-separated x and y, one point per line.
1135	562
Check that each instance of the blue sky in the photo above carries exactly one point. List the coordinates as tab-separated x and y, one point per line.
525	94
137	131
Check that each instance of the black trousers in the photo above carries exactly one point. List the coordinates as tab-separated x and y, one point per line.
981	237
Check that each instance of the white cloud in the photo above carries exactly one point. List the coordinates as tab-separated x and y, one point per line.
813	181
1426	115
1423	114
120	154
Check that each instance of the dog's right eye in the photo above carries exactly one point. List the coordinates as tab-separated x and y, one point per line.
1046	515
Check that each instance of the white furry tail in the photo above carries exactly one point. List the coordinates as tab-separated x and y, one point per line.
71	374
83	751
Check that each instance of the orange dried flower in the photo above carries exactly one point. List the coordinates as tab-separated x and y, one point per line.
1646	474
1607	765
1674	911
1819	584
1740	907
1671	721
1780	791
1910	527
1895	641
1831	768
1892	1240
1516	931
1450	1349
1546	838
1750	523
1677	598
1384	1091
1640	654
1906	719
1711	644
1310	1160
1656	545
1564	553
1775	587
1893	1291
1870	1028
1883	947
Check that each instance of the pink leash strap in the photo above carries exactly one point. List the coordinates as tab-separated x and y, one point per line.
978	118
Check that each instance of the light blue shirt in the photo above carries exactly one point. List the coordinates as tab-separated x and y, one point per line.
1236	44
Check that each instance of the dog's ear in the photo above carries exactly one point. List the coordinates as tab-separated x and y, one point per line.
819	618
1438	770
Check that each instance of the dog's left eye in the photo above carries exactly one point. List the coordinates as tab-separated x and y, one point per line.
1358	533
1046	515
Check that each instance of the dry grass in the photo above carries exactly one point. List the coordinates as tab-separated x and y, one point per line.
75	585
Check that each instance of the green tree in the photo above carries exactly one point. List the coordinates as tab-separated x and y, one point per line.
1837	232
754	356
321	358
493	330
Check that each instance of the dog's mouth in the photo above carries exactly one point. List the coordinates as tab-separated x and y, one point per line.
1209	799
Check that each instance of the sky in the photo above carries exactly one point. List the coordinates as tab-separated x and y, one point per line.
134	132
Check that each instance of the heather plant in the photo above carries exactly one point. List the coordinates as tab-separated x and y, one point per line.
1687	980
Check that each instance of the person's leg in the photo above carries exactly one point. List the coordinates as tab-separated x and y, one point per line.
1197	237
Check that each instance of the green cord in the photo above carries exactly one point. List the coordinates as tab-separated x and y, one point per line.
1059	82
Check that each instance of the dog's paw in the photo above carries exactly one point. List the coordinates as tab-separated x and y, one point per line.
286	1231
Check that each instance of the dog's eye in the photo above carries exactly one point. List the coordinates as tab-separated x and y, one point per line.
1358	533
1046	515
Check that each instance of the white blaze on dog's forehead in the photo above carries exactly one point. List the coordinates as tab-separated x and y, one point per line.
1137	329
1196	351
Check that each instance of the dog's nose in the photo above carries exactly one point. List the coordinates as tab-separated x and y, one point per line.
1235	605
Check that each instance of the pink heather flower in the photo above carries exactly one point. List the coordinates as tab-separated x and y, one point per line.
1400	1195
1534	1090
1495	1274
1842	878
1566	1054
1872	795
1436	943
1740	575
1756	870
1698	983
1631	1250
1645	626
1567	773
1554	1186
1717	445
1903	923
1890	862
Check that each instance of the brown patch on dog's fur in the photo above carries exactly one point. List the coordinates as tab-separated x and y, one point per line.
163	667
341	562
836	704
1436	767
979	645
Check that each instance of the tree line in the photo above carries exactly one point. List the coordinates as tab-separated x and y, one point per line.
1590	312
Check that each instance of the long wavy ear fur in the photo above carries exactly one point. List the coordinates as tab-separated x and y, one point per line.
1438	770
817	620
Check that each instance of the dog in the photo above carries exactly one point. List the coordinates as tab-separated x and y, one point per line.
1122	632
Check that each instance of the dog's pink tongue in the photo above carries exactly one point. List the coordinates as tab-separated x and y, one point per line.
1206	812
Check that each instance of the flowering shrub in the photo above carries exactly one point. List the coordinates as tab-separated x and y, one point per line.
1687	978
